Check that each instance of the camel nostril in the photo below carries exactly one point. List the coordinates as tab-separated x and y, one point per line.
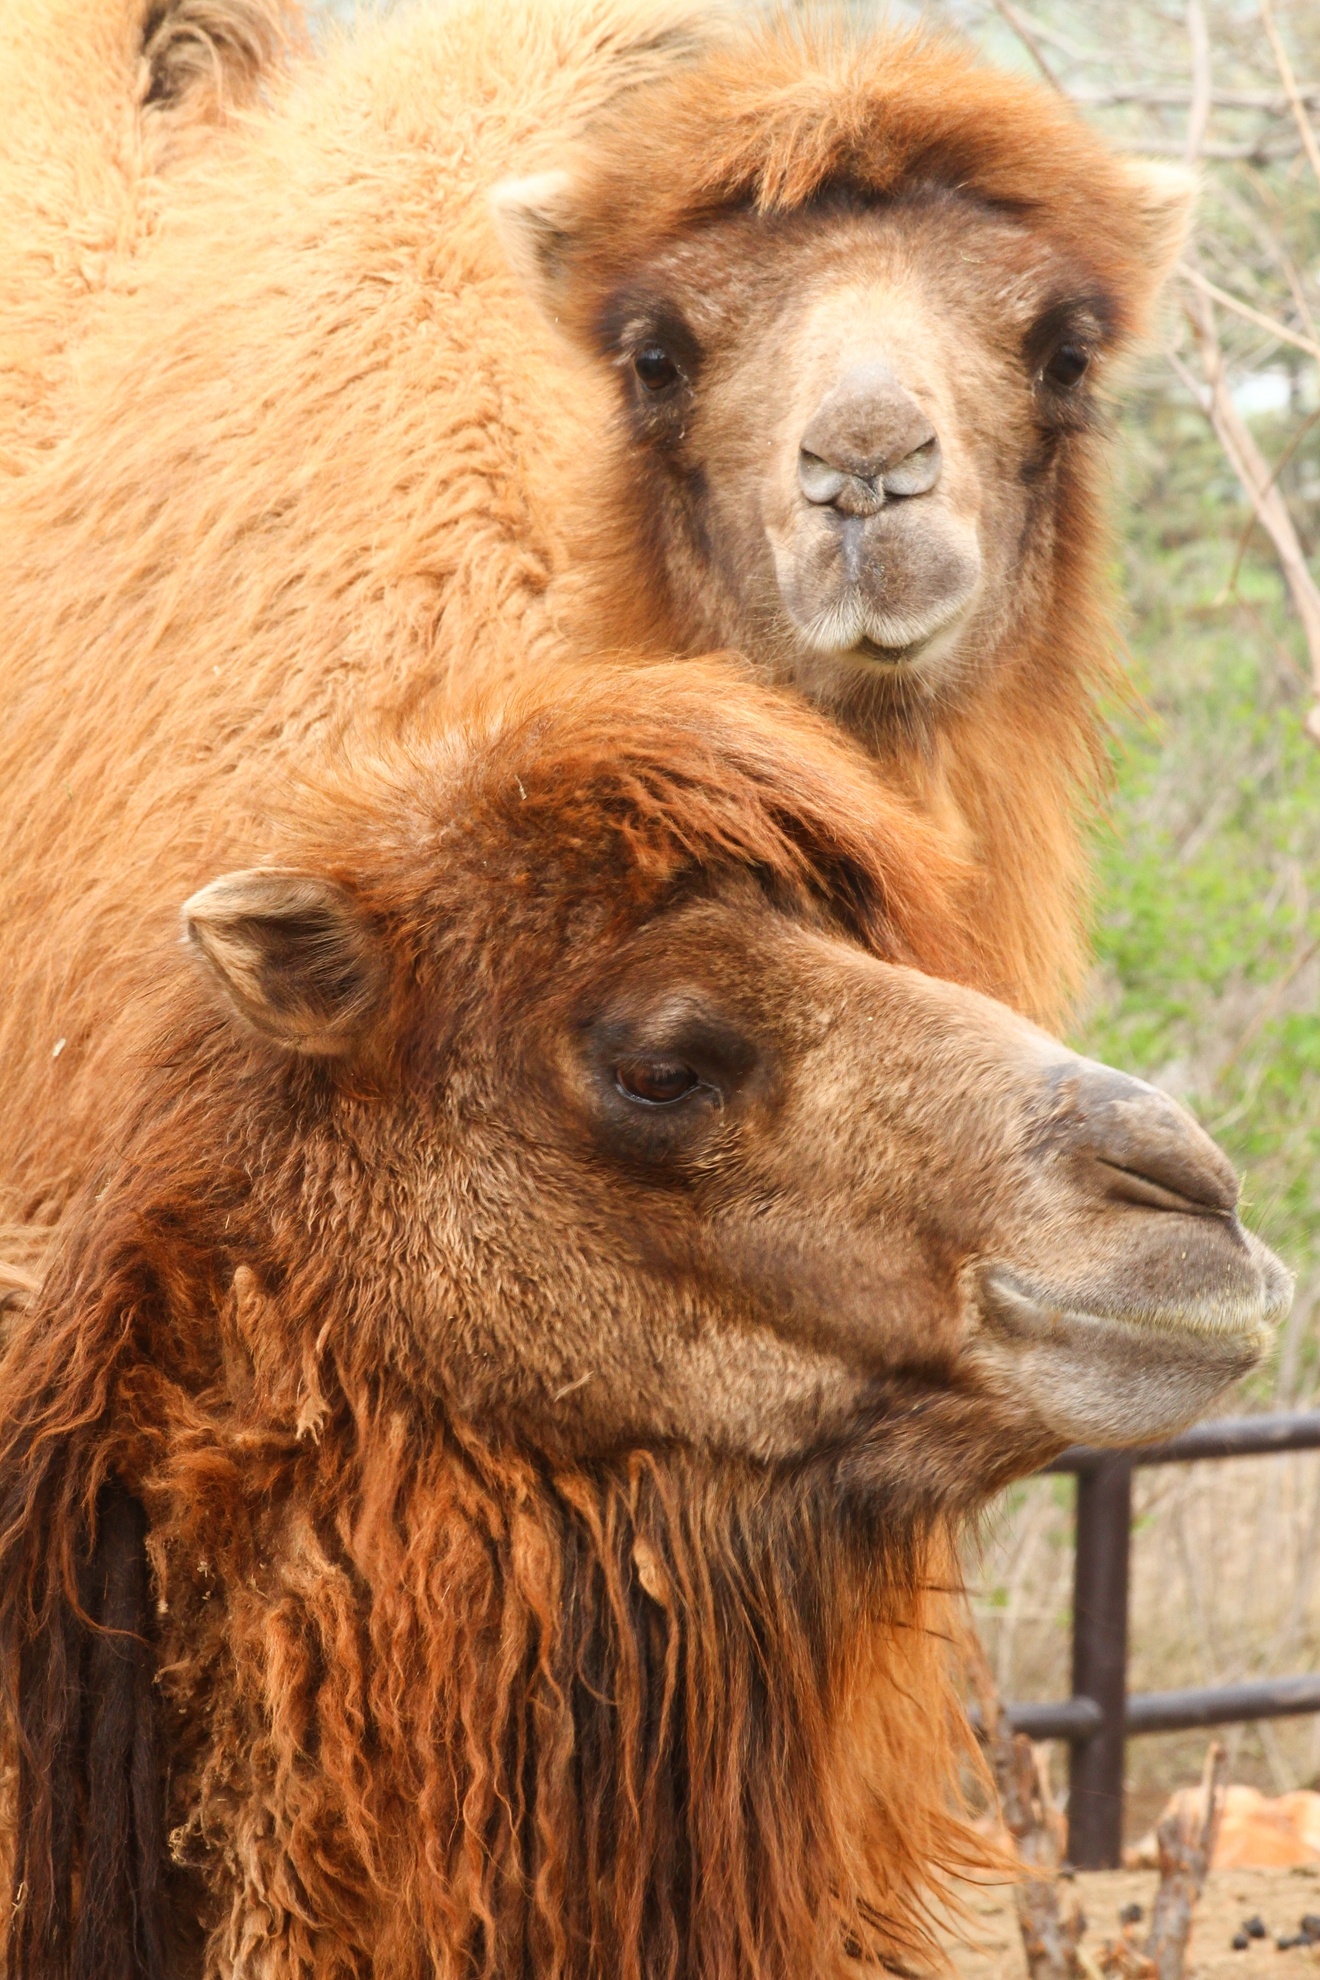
868	439
1148	1150
819	482
917	473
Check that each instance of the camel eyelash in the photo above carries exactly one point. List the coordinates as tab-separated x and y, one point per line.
1065	340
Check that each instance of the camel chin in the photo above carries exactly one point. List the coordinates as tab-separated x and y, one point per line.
892	591
1125	1371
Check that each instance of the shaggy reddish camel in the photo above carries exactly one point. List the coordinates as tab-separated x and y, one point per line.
328	460
557	1270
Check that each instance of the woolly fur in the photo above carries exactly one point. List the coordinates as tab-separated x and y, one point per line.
433	1702
100	100
327	464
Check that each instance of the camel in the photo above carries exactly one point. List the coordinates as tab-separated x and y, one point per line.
329	464
562	1259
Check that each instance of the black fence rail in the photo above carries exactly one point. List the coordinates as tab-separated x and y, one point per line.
1100	1716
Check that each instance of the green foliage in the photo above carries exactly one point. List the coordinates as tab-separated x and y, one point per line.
1208	925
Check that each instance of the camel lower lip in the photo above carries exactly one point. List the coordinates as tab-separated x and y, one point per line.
887	656
1012	1308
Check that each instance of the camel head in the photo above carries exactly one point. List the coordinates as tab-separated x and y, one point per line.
600	1043
564	1262
860	306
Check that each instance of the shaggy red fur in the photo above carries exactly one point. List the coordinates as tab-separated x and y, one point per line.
436	1700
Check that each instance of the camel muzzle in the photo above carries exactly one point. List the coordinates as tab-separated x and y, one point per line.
1132	1296
1145	1149
873	561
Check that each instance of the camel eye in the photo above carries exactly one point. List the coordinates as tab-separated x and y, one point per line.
657	1082
655	367
1067	365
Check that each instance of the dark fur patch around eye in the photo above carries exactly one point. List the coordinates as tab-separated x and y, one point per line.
1059	352
657	398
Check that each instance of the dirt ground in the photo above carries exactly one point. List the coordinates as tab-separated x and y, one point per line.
1230	1897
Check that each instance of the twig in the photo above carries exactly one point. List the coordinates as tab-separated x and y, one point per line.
1049	1940
1269	243
1252	470
1198	114
1179	99
1028	39
1295	104
1262	1017
1053	39
1186	1853
1256	153
1275	472
1265	632
1270	323
1293	280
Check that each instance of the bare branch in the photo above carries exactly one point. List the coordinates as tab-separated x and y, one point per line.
1049	1940
1308	137
1026	35
1187	1848
1259	152
1269	242
1275	472
1198	115
1273	101
1252	470
1051	38
1270	323
1271	1004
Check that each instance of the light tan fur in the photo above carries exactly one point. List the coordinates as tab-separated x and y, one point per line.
98	100
405	481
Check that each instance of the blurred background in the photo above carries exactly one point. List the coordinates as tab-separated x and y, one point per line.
1207	914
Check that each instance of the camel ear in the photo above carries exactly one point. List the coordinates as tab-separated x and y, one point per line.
1163	197
536	220
292	954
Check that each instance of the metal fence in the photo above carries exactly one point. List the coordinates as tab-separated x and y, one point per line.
1101	1715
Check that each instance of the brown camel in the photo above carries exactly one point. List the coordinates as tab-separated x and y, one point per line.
560	1265
328	464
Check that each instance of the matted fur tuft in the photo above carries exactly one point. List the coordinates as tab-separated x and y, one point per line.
509	1711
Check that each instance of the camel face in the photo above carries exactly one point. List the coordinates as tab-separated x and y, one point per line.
844	424
727	1178
909	1197
847	420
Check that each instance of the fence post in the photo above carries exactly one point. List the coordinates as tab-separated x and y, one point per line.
1100	1605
